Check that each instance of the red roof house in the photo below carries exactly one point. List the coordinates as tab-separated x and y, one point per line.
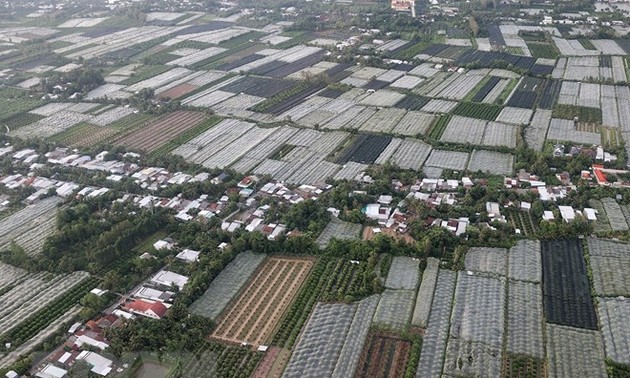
154	310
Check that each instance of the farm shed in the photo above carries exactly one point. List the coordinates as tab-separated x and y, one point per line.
167	278
51	371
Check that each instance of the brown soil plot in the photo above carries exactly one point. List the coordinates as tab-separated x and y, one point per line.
255	314
161	131
383	356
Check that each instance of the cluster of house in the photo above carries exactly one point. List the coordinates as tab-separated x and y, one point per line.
593	152
432	192
86	342
253	217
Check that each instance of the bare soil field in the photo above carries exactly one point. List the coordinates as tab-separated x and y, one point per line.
255	314
161	131
178	91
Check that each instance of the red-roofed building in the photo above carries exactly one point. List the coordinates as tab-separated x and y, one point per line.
154	310
599	175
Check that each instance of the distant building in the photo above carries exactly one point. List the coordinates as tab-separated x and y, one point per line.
404	6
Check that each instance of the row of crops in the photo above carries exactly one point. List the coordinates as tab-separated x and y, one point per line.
44	317
226	285
217	360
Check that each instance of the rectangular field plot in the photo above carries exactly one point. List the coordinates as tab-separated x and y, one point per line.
356	337
202	147
414	123
383	121
31	295
411	154
478	309
28	220
523	366
365	149
50	126
615	216
517	116
350	170
161	131
524	261
487	260
226	285
338	229
425	293
566	290
525	319
9	274
492	162
464	130
610	263
471	359
613	316
395	308
383	356
321	341
536	132
382	98
564	130
439	106
500	134
574	352
434	340
454	160
254	315
403	273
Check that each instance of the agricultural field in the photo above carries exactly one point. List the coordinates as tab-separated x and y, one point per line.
609	262
338	229
365	149
524	261
356	337
487	260
227	284
84	135
613	315
395	309
424	299
161	131
477	110
37	300
411	154
574	352
492	162
383	356
331	280
217	360
523	366
321	341
448	160
31	221
435	338
566	289
268	295
403	274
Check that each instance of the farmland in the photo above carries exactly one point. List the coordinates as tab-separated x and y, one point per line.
383	356
218	360
227	284
567	296
337	229
411	134
268	295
